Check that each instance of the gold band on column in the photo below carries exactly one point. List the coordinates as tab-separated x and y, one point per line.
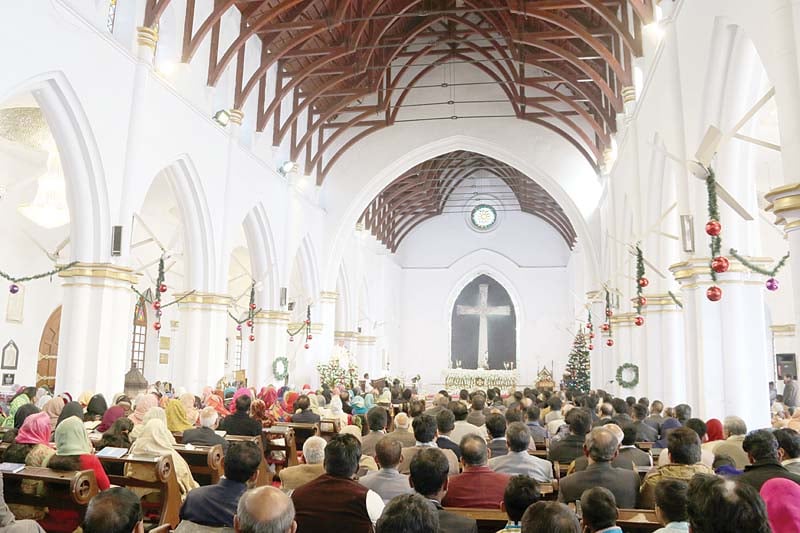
147	36
784	203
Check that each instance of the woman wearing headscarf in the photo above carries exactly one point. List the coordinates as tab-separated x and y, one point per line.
782	498
192	414
41	402
96	408
73	452
156	440
144	402
40	393
53	409
270	397
33	448
109	417
117	436
156	413
336	410
282	410
713	434
385	398
24	412
71	409
240	392
666	427
358	406
214	401
258	411
85	397
369	401
177	422
23	397
123	401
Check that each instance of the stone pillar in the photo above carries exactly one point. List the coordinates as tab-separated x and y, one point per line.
628	348
366	355
95	335
203	323
323	329
303	362
725	342
270	343
665	350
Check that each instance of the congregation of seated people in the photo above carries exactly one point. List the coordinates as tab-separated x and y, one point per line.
539	460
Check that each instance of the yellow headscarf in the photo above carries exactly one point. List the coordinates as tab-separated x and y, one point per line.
176	417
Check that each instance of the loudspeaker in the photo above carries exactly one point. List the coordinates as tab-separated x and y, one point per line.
116	241
283	296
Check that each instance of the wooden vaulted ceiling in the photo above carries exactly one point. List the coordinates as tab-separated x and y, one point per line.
347	66
442	185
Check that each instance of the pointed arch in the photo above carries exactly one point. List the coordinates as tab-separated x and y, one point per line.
263	259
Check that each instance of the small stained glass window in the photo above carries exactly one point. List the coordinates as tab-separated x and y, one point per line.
139	334
483	216
111	14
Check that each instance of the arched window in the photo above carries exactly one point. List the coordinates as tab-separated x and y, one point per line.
483	327
111	15
139	334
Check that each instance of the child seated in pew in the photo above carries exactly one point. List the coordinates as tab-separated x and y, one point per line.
521	492
671	505
73	452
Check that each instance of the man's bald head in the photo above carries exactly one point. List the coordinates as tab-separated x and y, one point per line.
473	450
265	510
601	445
388	452
401	421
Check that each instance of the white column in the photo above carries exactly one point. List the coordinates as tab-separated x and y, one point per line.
599	367
366	355
270	343
629	346
725	342
665	350
96	321
321	346
203	322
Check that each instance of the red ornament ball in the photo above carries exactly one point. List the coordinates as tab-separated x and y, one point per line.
642	301
291	339
589	325
610	343
307	346
714	293
308	322
591	347
157	305
13	288
249	323
772	284
639	321
591	335
252	338
720	264
605	327
644	282
713	228
162	287
157	326
253	306
309	337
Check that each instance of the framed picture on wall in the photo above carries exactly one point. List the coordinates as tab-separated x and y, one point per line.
8	379
10	356
15	305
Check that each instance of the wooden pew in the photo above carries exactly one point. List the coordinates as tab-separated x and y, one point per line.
638	520
280	439
301	431
644	446
165	481
489	520
542	454
630	520
329	427
264	475
205	462
63	490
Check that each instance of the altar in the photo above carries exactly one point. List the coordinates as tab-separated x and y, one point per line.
462	378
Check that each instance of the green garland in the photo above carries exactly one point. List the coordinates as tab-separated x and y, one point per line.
640	273
280	375
608	308
675	299
758	269
49	274
713	214
633	382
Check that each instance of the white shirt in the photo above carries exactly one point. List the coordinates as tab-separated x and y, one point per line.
462	428
374	506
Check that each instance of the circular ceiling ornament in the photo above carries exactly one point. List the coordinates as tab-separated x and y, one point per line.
483	216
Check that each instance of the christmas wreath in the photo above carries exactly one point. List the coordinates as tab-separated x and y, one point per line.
280	368
634	381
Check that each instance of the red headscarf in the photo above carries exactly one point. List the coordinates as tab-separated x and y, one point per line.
714	430
289	398
35	430
214	401
782	497
270	396
110	416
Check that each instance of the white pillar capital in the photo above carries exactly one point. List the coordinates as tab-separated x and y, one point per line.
146	39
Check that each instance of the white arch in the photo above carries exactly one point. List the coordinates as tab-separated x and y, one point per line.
87	192
263	262
309	272
348	215
344	301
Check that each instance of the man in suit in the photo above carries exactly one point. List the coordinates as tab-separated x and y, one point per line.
425	433
538	433
518	461
476	416
240	423
655	419
377	417
440	402
478	485
205	435
313	455
265	509
306	415
401	432
570	447
496	427
387	482
644	433
445	421
791	392
215	505
761	447
601	448
629	453
429	477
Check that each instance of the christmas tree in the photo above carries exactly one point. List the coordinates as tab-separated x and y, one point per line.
578	376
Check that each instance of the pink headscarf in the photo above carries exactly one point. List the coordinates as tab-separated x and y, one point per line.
236	395
35	430
782	497
144	402
110	416
270	396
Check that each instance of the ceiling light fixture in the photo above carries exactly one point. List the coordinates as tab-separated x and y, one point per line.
287	167
222	117
49	208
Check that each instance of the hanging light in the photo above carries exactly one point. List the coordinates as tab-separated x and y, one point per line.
287	167
49	208
222	117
